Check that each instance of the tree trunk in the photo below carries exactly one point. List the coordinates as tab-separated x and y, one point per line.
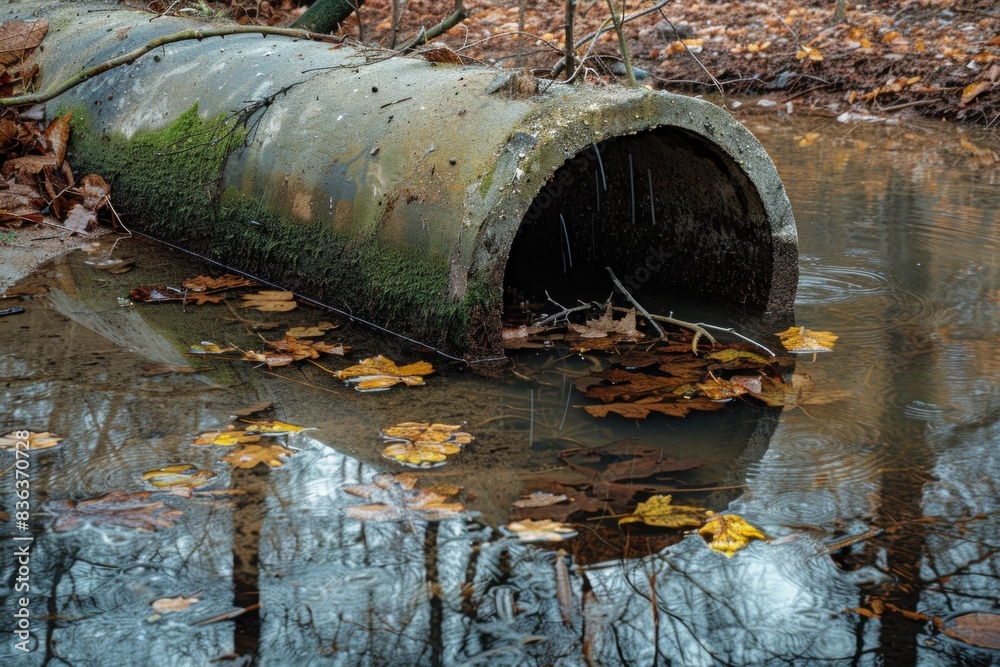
326	15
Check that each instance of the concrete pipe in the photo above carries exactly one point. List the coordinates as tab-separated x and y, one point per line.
406	191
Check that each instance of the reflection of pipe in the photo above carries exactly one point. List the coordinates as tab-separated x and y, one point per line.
395	187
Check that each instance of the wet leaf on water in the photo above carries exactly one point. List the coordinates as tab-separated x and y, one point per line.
728	533
328	348
271	427
114	266
606	324
545	530
659	511
378	373
800	340
208	347
35	440
118	508
396	498
250	456
250	409
729	355
420	432
539	499
223	282
155	294
314	331
165	606
717	389
181	474
421	454
158	368
226	438
271	301
270	358
303	349
980	629
642	408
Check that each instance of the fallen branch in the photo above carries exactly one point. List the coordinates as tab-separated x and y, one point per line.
563	312
130	57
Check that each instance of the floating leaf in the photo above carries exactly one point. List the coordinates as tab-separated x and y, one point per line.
544	530
658	511
800	390
271	427
129	510
251	409
377	373
223	282
800	340
35	440
718	389
311	332
728	533
181	474
226	438
539	499
729	355
249	456
977	628
642	408
270	358
421	454
172	605
272	301
421	432
208	347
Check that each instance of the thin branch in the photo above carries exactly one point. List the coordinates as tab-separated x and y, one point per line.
568	63
738	335
691	53
130	57
459	14
622	45
638	306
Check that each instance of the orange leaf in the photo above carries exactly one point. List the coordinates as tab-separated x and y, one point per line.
974	90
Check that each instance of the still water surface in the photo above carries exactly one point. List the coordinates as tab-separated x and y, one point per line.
884	501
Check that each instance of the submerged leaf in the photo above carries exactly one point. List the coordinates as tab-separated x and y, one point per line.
129	510
225	438
658	511
273	301
728	533
225	281
271	427
182	474
208	347
173	605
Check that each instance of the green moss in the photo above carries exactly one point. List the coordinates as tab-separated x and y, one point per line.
159	186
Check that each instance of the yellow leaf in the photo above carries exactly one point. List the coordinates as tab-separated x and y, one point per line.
890	37
810	53
249	456
808	139
801	340
226	438
973	90
376	373
718	389
729	533
310	332
275	301
182	474
422	454
421	432
272	427
728	355
208	347
658	511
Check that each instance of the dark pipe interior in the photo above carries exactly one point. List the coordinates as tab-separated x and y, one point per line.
665	209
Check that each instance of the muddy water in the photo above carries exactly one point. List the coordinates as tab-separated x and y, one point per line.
883	500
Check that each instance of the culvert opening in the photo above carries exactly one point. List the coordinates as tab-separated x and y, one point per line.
670	213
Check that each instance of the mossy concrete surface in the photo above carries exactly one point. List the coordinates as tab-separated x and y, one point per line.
388	186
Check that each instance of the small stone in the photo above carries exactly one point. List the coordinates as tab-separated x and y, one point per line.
767	104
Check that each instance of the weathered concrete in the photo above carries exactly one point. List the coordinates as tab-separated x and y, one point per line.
395	188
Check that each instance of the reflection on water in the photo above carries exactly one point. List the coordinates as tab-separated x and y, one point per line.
881	505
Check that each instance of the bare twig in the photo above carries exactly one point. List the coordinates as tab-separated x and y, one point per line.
738	335
691	53
568	63
564	312
130	57
638	306
458	14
